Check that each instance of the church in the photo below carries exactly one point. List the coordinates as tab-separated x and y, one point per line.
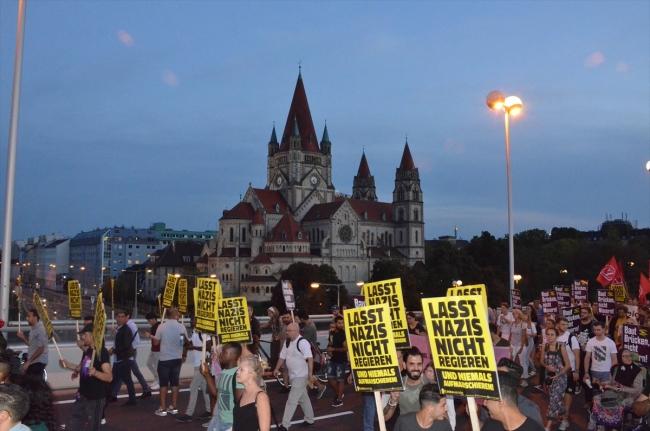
300	217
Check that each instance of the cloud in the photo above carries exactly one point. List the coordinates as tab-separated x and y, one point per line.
170	78
594	59
622	67
125	37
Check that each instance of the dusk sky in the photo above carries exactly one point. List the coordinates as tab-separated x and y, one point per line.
140	111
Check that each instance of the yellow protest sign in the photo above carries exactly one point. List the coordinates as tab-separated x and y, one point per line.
474	289
170	289
373	357
99	323
208	292
233	324
42	314
390	292
461	346
182	296
74	299
619	292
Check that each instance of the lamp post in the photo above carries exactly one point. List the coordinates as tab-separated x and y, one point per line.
511	106
135	302
338	292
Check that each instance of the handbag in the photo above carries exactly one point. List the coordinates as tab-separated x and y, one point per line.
609	411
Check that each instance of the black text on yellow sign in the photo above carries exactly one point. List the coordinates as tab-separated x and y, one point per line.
619	291
475	289
461	346
74	299
182	296
208	291
42	314
233	323
371	347
170	289
99	323
389	292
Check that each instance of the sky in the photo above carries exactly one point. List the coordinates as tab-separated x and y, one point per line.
143	111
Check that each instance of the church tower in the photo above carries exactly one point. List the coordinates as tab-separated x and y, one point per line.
408	210
364	184
297	166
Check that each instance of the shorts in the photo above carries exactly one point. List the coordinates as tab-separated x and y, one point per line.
336	371
169	372
570	384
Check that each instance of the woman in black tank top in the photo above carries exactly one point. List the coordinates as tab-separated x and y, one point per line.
253	410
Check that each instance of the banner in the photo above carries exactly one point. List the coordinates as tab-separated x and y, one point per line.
549	302
461	345
358	301
473	289
572	314
580	290
99	323
516	299
182	295
373	357
620	294
635	338
390	292
170	289
208	292
606	302
287	293
42	314
563	296
233	323
74	299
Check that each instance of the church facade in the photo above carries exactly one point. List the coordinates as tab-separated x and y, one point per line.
300	217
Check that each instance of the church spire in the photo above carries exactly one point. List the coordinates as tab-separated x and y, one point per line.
274	137
363	186
364	170
326	136
407	160
299	113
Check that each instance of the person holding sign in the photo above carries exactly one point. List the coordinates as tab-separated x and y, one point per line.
430	417
94	383
37	345
408	400
300	364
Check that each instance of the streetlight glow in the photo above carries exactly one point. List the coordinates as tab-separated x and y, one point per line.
512	104
495	100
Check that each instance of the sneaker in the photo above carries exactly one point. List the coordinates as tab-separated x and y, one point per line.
103	422
564	425
339	403
578	390
145	394
184	418
321	391
207	424
204	415
155	386
129	403
532	373
172	410
161	412
539	388
306	424
524	383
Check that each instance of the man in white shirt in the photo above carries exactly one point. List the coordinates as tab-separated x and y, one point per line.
600	356
198	381
573	351
300	364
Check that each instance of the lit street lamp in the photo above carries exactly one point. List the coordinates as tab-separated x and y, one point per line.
517	278
338	292
511	106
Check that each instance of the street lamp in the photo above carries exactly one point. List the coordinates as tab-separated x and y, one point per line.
338	292
511	106
457	283
517	278
135	302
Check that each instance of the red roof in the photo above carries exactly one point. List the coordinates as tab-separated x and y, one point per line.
269	199
288	230
257	217
377	211
243	210
261	259
323	211
407	160
364	170
299	111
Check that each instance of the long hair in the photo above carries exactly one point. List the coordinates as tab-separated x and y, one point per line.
41	407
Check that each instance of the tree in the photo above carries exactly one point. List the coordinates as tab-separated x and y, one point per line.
313	301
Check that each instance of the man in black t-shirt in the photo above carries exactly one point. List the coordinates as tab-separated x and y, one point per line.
94	384
506	411
338	351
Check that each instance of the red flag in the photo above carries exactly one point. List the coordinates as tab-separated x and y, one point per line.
644	289
608	272
619	278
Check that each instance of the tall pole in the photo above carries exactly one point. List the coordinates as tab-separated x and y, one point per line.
338	298
511	242
11	166
135	303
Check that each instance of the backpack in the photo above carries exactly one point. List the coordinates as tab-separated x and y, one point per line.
318	356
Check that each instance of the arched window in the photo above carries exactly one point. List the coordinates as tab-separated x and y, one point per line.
400	194
266	271
299	235
257	271
390	240
284	235
243	234
277	210
416	215
417	236
400	214
267	289
401	237
415	196
232	234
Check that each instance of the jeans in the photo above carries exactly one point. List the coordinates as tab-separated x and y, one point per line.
85	411
122	373
298	395
369	411
152	364
198	382
117	385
